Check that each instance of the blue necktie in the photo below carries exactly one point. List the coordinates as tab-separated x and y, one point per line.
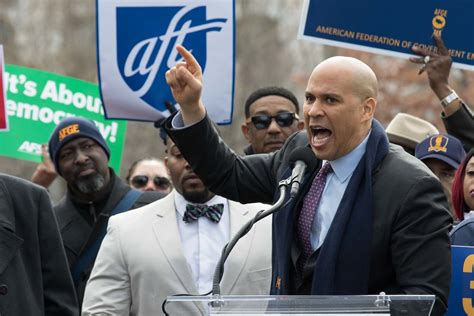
194	211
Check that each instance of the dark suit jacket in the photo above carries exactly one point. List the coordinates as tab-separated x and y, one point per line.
461	125
76	230
410	247
34	275
463	233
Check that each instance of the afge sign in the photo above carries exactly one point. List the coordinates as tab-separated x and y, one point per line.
136	42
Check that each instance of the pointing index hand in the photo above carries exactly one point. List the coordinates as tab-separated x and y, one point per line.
185	81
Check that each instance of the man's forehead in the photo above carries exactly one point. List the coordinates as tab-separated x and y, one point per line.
330	84
150	167
77	142
272	104
436	162
171	146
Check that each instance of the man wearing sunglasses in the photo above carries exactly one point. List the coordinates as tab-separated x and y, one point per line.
94	193
149	174
368	217
271	116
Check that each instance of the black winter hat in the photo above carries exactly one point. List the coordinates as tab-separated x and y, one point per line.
69	129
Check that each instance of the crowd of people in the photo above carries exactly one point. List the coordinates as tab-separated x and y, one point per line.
377	208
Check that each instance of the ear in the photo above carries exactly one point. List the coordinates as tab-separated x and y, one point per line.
369	108
245	131
165	160
300	125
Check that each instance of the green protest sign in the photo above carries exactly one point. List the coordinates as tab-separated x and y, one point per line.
38	100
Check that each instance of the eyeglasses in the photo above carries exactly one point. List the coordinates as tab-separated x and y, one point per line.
141	181
283	119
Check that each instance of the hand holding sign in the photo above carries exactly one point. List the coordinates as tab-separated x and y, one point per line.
185	81
437	67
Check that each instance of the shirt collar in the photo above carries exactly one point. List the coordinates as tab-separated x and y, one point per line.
344	166
181	202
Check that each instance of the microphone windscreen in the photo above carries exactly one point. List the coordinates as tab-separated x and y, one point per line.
305	154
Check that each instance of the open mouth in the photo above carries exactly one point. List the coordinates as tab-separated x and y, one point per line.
320	136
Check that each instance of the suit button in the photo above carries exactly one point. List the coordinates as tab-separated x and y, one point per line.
3	289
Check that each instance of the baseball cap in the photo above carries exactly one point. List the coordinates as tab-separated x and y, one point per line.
446	148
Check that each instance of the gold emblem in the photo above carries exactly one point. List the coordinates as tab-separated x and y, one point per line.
68	130
438	143
439	21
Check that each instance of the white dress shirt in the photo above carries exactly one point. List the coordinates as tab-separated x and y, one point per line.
203	240
468	214
337	182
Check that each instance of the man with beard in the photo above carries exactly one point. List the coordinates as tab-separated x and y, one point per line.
94	193
172	247
271	116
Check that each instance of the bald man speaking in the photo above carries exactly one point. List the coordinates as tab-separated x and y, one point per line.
367	218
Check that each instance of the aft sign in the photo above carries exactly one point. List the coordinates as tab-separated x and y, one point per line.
392	27
136	43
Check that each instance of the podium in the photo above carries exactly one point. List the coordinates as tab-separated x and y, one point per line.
301	305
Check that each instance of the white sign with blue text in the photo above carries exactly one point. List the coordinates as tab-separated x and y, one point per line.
136	43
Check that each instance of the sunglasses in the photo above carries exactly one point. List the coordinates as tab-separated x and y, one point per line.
283	119
141	181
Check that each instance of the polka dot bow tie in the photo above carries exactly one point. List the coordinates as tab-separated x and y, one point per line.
213	212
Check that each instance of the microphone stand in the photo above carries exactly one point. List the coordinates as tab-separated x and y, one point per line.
219	271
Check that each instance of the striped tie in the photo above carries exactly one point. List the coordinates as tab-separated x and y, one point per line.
194	211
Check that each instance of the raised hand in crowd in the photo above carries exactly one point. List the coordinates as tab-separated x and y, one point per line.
437	66
45	173
457	117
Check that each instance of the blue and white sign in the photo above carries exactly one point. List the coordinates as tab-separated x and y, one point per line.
392	27
461	296
136	43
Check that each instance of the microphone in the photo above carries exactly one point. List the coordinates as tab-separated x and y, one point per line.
300	159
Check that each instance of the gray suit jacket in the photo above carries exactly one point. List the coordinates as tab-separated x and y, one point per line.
34	275
141	261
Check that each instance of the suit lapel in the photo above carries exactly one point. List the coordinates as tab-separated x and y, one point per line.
166	231
239	215
285	220
10	242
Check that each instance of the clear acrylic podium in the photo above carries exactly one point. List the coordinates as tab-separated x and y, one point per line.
418	305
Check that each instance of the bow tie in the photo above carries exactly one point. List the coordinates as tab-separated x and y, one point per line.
213	212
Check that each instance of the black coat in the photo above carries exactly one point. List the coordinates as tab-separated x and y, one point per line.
461	125
410	244
34	274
